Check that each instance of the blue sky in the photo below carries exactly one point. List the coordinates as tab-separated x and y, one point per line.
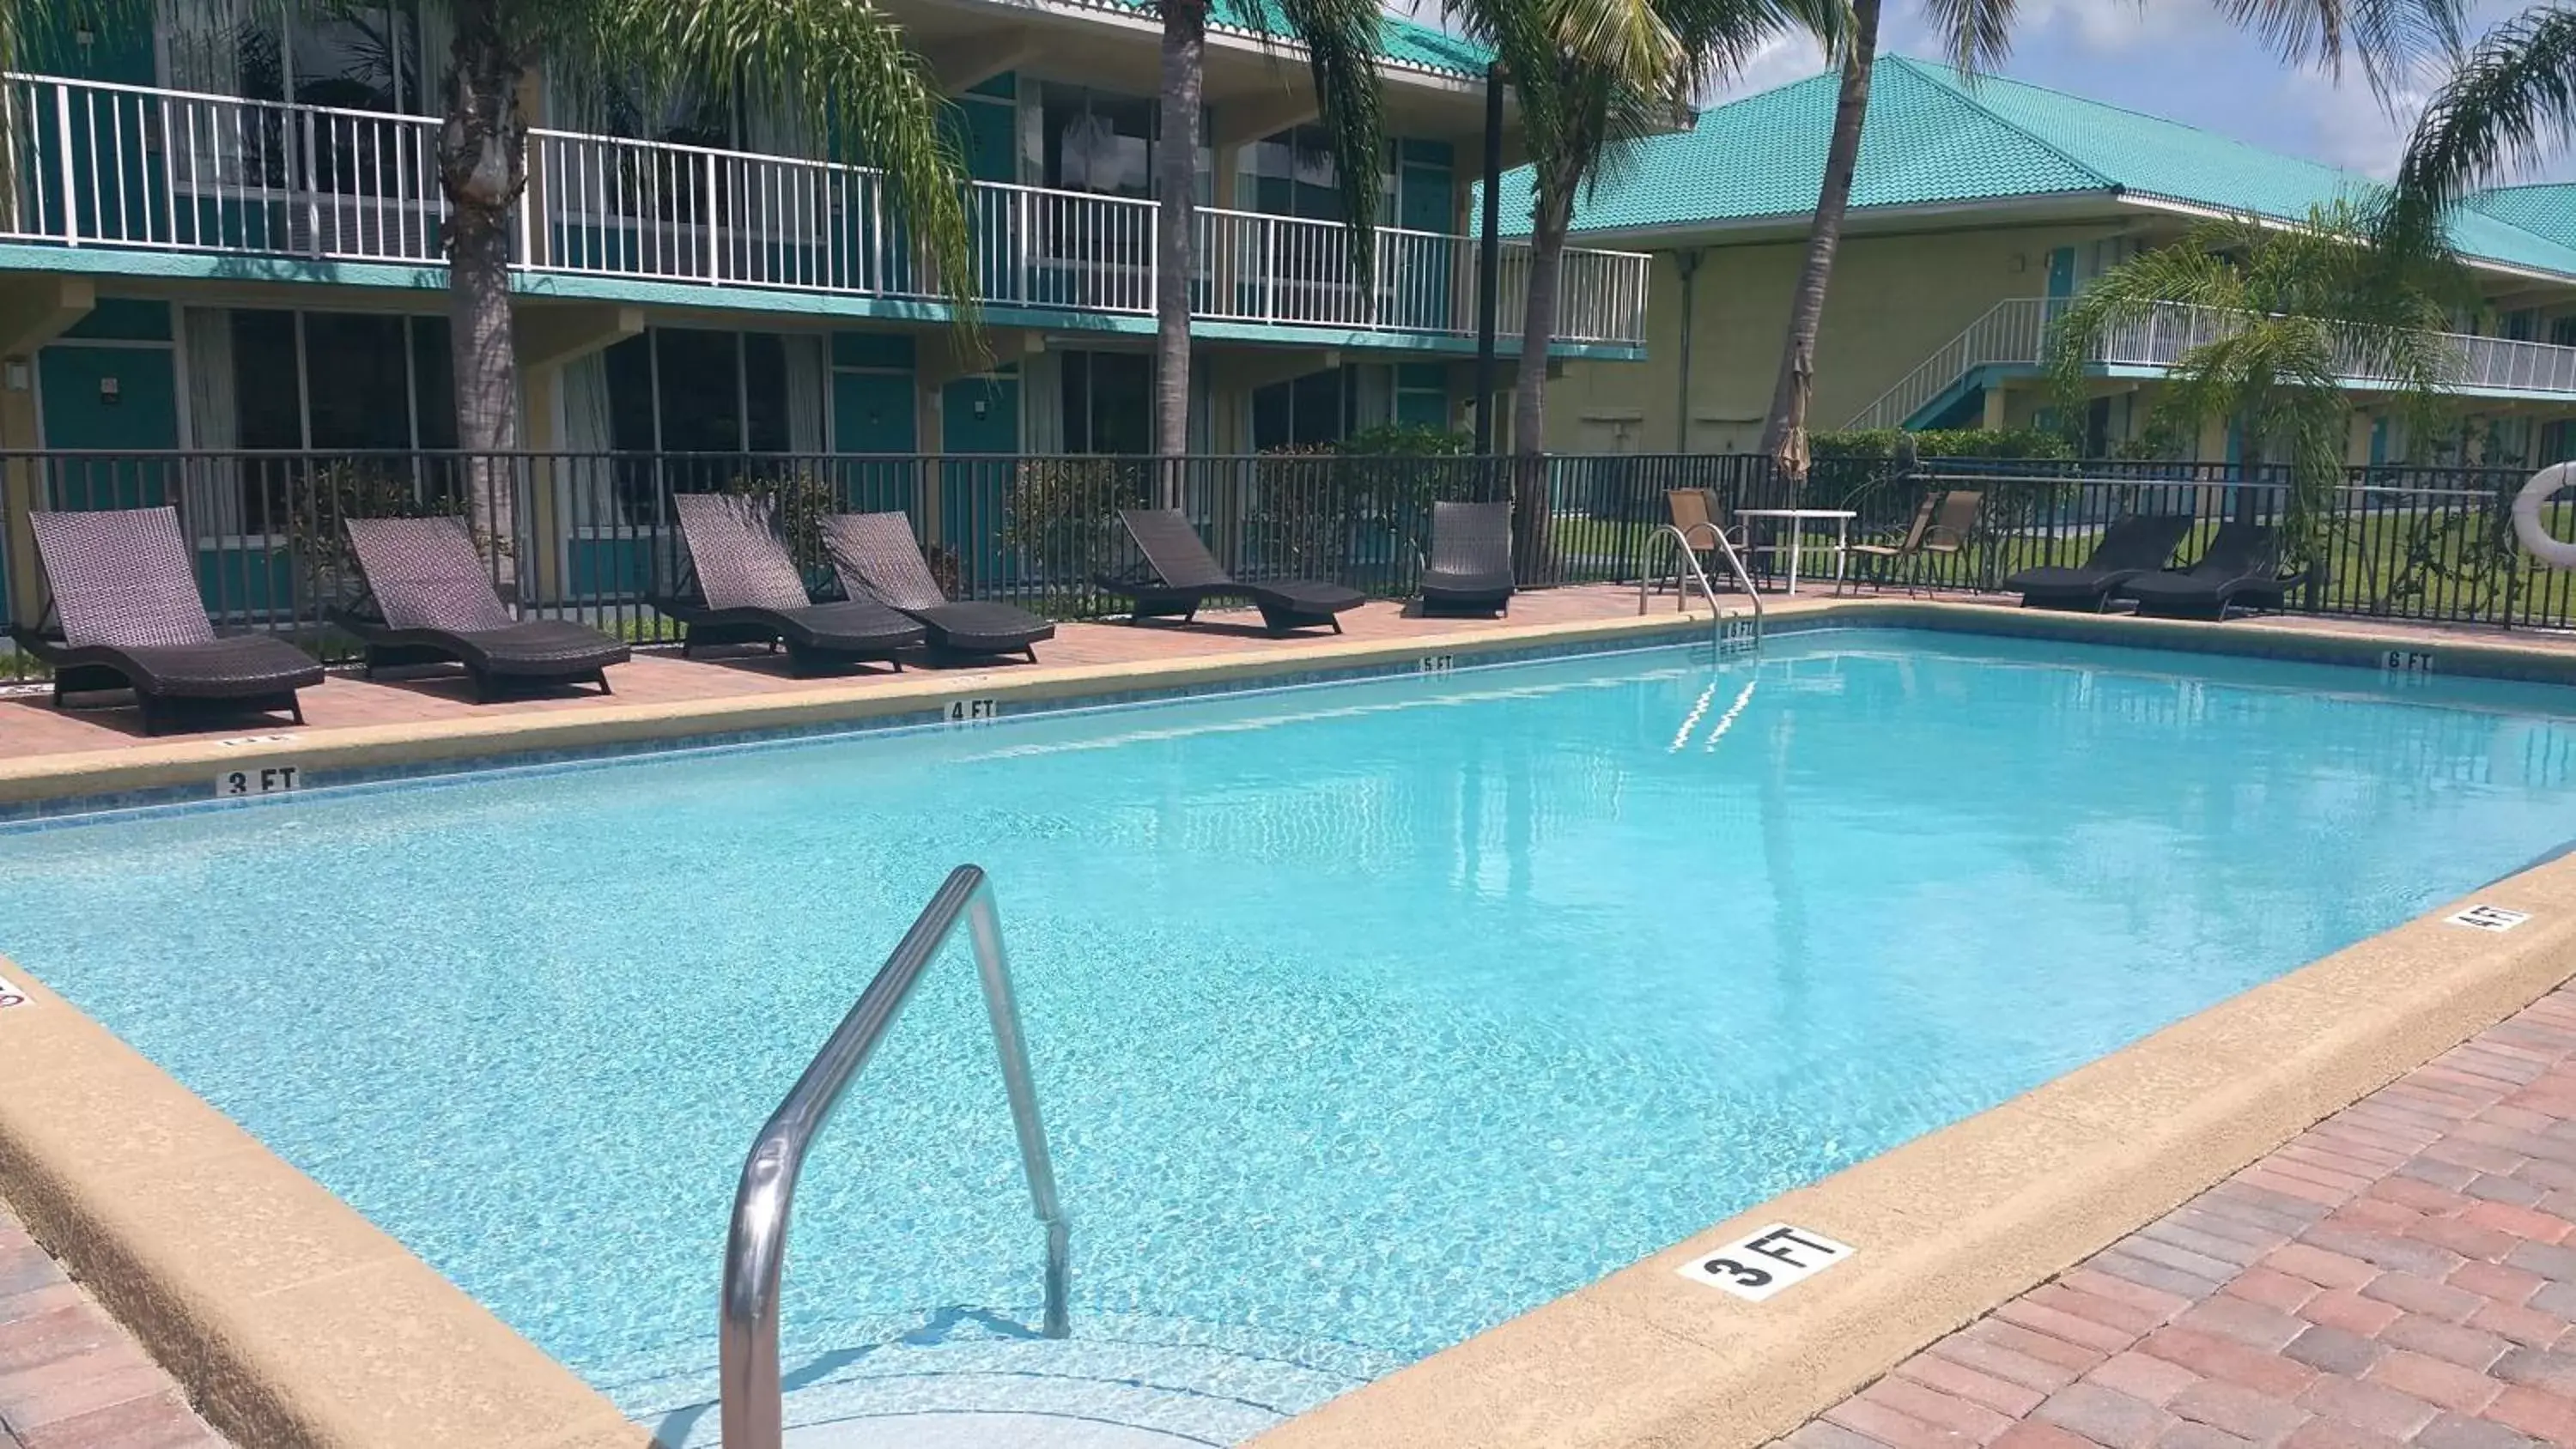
2179	60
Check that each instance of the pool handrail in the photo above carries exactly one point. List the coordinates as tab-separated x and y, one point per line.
750	1405
1685	557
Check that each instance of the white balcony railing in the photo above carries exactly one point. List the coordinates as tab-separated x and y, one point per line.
135	167
2014	332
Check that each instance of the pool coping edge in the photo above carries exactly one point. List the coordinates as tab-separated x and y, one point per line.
1966	1218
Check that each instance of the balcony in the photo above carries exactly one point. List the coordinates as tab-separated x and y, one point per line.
2013	337
135	168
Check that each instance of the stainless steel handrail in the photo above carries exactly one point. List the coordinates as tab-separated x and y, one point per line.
756	1250
1686	556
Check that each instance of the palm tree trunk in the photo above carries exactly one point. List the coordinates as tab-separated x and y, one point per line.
1176	168
1784	432
482	166
1533	516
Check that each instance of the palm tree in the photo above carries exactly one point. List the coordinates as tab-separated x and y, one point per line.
1593	78
2386	36
1341	40
840	66
2288	314
2512	98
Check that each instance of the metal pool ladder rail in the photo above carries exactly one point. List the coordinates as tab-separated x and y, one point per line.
751	1411
1685	558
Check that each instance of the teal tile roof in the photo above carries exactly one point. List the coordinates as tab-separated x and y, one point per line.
1399	39
2547	210
1934	138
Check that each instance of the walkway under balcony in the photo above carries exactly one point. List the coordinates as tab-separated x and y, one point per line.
2011	340
140	179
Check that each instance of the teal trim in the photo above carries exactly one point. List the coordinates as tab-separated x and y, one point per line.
570	286
123	319
1005	86
872	349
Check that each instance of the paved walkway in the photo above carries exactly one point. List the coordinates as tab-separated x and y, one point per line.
2404	1273
29	725
70	1378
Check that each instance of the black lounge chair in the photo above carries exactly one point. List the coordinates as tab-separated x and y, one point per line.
1469	569
876	557
2139	544
744	588
1180	575
430	600
2240	563
124	614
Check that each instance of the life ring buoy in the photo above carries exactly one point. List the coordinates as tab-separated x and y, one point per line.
2536	538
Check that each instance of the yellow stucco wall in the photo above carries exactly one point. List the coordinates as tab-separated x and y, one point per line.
1894	300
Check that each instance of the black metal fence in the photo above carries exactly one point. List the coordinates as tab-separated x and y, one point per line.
592	536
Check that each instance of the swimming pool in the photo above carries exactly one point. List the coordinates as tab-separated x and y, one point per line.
1364	1015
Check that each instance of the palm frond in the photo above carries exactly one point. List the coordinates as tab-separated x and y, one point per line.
1342	38
840	67
1977	33
2511	98
2389	38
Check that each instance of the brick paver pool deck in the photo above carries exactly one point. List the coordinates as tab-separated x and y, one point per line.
70	1378
2403	1273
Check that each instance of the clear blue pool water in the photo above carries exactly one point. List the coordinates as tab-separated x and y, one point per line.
1364	1016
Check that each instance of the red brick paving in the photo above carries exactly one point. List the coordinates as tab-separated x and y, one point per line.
2403	1273
29	725
70	1378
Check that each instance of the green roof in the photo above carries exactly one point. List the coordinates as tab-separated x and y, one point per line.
1933	137
2547	210
1403	41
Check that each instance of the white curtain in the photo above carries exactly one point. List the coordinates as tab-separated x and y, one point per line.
584	390
1375	388
1042	404
806	380
214	502
205	42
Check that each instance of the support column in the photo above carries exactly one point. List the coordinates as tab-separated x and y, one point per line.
34	310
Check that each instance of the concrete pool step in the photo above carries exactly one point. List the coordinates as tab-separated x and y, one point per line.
1125	1383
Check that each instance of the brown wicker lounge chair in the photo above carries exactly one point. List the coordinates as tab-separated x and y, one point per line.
744	588
124	613
2241	565
429	600
1469	569
876	557
2130	547
1180	575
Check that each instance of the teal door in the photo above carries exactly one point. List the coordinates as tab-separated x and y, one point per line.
872	414
2061	274
978	415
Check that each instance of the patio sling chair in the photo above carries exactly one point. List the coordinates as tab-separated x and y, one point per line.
744	588
1180	574
1695	513
1942	524
2241	563
1892	550
2138	544
429	600
876	558
124	613
1469	569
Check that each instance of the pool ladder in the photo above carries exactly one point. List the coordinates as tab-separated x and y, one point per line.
1684	557
750	1408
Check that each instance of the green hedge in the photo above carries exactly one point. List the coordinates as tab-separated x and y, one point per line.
1941	443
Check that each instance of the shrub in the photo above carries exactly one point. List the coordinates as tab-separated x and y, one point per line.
1879	443
1061	514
